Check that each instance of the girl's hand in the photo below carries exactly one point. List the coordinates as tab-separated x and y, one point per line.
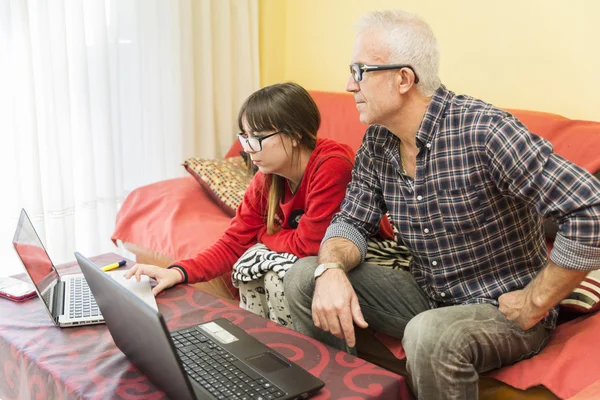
165	277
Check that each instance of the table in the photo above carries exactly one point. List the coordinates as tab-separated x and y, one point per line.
41	361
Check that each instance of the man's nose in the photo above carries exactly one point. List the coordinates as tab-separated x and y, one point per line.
352	85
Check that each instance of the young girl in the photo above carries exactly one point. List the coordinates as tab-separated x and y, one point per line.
300	183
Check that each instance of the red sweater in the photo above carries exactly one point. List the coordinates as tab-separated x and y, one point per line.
316	200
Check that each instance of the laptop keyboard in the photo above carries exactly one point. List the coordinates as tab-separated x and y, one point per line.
46	296
220	373
82	302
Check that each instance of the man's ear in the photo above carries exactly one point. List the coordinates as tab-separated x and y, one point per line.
406	80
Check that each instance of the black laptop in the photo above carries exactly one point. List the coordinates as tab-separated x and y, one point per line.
212	360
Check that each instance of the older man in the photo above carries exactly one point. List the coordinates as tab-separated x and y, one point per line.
465	183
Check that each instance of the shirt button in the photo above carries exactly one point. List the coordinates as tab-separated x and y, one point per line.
426	230
428	145
434	263
443	294
419	197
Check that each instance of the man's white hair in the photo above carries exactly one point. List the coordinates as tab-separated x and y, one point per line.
410	41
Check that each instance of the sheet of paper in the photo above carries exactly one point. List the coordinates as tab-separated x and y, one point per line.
141	289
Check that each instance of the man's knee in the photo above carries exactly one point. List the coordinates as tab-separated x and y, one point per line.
299	279
429	334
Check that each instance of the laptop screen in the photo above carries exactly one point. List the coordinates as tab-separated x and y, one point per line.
35	259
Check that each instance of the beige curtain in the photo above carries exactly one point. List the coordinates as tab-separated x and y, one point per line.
99	97
226	71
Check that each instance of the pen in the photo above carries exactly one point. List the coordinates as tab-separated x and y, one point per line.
112	266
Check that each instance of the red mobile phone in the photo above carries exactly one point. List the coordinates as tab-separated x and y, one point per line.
15	289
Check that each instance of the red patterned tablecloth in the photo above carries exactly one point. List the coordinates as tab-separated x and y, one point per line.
41	361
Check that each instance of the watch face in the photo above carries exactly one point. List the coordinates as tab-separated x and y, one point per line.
319	271
321	268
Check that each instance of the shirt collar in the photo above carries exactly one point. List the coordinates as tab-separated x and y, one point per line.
433	115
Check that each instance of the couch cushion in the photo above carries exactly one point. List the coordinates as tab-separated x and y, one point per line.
224	180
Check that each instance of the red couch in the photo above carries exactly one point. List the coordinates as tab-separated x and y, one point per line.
176	218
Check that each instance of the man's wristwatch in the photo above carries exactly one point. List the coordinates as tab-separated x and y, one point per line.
324	267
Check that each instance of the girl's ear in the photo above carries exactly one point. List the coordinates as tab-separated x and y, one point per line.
296	140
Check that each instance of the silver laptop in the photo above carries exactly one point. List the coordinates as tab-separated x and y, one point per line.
67	298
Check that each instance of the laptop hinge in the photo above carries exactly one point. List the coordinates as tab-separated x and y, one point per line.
58	304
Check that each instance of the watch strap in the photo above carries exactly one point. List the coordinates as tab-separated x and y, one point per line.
321	268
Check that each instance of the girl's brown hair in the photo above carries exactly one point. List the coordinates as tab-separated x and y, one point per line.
285	107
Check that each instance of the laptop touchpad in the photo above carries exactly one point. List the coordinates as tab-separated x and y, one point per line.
267	362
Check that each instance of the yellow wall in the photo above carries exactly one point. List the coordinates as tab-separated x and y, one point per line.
535	54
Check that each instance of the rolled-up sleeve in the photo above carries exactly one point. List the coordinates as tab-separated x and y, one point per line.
573	255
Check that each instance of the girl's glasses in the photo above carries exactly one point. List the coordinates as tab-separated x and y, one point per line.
254	143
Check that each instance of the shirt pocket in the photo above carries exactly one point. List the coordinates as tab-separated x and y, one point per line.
461	209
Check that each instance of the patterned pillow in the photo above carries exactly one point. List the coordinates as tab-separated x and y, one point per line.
586	297
225	180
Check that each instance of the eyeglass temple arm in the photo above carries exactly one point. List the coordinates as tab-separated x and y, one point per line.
367	68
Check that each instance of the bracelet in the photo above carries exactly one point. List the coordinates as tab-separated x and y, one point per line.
180	273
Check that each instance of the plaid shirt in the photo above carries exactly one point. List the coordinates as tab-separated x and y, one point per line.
472	216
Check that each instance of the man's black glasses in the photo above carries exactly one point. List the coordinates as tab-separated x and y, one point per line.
254	143
357	70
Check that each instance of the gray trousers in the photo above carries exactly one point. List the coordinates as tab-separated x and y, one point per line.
446	348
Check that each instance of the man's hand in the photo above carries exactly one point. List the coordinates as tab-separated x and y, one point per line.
519	308
165	277
528	306
335	306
